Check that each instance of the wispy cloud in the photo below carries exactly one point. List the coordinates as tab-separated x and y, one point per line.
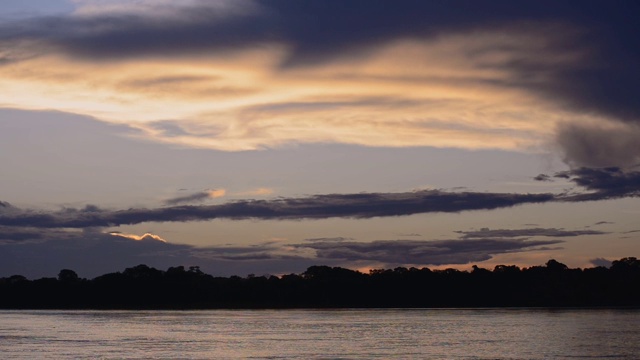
513	233
196	197
255	192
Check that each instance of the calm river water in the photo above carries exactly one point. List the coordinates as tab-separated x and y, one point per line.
321	334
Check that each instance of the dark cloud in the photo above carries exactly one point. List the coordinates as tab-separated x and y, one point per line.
20	234
512	233
93	252
6	208
191	198
604	223
542	177
90	253
258	252
601	262
604	80
207	27
603	183
364	205
423	252
595	146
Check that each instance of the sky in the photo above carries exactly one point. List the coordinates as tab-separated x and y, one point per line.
267	136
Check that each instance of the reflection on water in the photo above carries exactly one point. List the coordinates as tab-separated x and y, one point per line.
321	334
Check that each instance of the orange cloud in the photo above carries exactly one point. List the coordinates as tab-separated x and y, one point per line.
451	91
138	237
217	193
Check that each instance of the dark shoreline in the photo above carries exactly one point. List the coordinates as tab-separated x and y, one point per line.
553	286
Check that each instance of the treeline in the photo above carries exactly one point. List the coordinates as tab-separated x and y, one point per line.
143	287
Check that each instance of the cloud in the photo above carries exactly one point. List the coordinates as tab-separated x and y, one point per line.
7	208
19	234
244	75
196	197
512	233
255	192
603	183
363	205
119	29
631	231
92	252
600	145
542	177
144	237
330	239
422	252
410	235
601	262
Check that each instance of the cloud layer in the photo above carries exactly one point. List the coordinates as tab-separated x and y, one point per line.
513	233
239	75
43	252
365	205
439	252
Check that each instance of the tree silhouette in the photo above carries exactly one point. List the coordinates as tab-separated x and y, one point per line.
66	275
144	287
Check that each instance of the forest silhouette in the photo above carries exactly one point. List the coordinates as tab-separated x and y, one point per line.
144	287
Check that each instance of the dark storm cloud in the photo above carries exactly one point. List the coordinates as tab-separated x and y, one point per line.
314	29
606	80
423	252
604	183
512	233
364	205
594	146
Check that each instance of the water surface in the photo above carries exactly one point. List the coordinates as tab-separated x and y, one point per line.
321	334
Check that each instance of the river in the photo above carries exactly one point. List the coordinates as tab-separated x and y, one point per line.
322	334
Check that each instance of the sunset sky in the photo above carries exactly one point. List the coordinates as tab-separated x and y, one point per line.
266	136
